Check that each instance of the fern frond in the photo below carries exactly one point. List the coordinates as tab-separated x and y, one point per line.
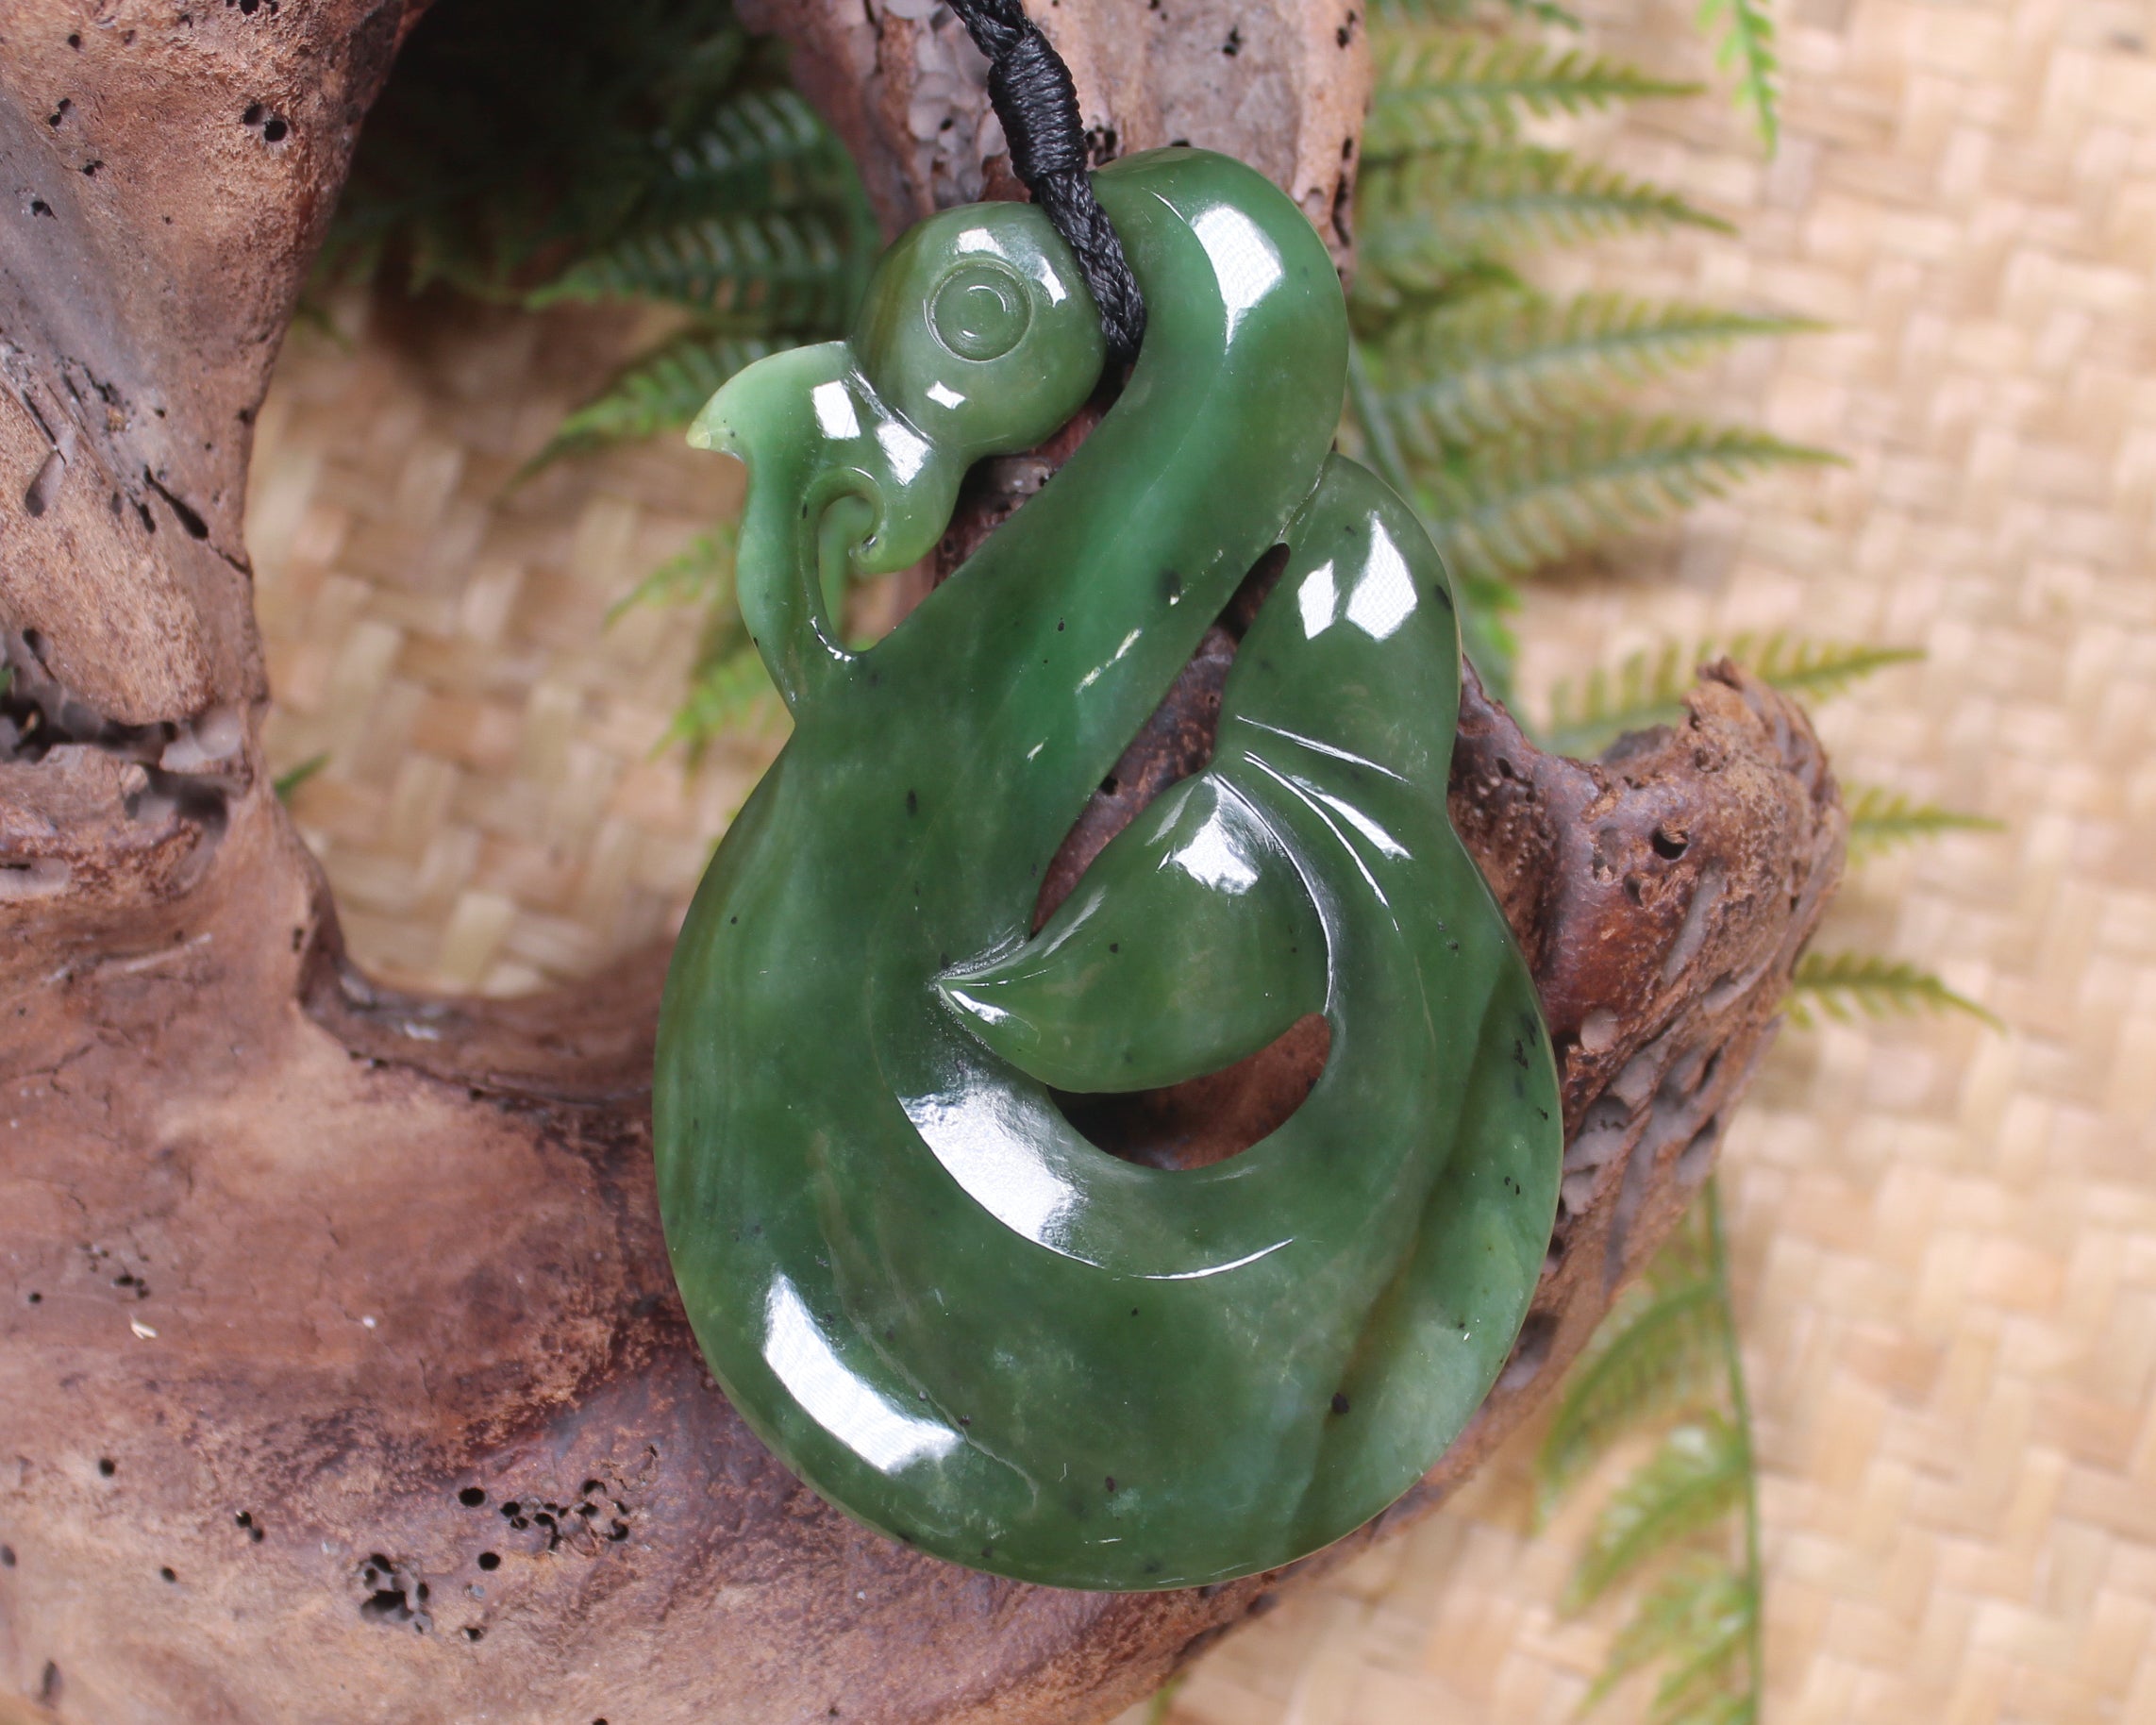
659	392
1399	312
1506	509
1740	1708
1698	1615
1501	364
1413	12
701	572
286	782
1697	1475
1648	689
1847	985
1430	217
1819	669
1648	1360
1881	820
1698	1682
729	160
1462	87
1747	43
785	265
730	691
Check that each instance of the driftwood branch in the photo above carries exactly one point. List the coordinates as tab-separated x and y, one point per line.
340	1372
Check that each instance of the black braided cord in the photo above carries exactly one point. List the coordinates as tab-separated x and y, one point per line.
1038	104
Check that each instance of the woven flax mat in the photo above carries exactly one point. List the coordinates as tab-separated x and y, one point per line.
1944	1237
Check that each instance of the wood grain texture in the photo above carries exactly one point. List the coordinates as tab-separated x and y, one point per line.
1282	84
341	1373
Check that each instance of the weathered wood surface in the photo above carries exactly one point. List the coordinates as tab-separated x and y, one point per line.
289	1269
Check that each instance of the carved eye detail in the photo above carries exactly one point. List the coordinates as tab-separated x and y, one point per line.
981	311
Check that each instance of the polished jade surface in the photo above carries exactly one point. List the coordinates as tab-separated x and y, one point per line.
936	1301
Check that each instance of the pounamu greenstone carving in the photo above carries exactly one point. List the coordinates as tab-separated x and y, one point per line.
937	1301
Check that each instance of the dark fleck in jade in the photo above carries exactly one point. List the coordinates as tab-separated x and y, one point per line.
913	1276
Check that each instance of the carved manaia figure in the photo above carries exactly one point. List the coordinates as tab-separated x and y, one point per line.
932	1296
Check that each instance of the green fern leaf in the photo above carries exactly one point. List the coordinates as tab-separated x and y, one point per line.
1819	669
729	692
1664	1349
702	573
784	266
1413	12
285	783
1644	691
1648	689
1747	43
1699	1616
1847	985
661	392
1462	87
1698	1475
1427	219
1699	1681
1502	363
1400	312
1881	820
1508	507
731	159
1741	1708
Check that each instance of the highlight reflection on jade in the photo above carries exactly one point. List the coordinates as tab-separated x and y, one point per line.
939	1304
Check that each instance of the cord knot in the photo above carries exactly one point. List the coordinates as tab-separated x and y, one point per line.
1031	90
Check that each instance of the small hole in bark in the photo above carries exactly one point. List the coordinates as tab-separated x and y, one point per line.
1670	845
39	208
253	116
7	1557
474	1634
490	1561
196	527
274	132
75	42
169	1573
471	1496
37	1298
108	1467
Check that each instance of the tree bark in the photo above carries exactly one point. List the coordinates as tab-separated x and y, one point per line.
341	1376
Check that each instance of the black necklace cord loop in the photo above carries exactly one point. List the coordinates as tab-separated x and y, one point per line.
1037	102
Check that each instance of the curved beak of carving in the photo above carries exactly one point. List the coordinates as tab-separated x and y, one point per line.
813	431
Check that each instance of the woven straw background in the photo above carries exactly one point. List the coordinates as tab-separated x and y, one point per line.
1944	1238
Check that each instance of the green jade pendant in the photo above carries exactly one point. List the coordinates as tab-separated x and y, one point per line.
939	1304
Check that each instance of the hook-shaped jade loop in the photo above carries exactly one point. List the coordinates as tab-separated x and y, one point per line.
938	1303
